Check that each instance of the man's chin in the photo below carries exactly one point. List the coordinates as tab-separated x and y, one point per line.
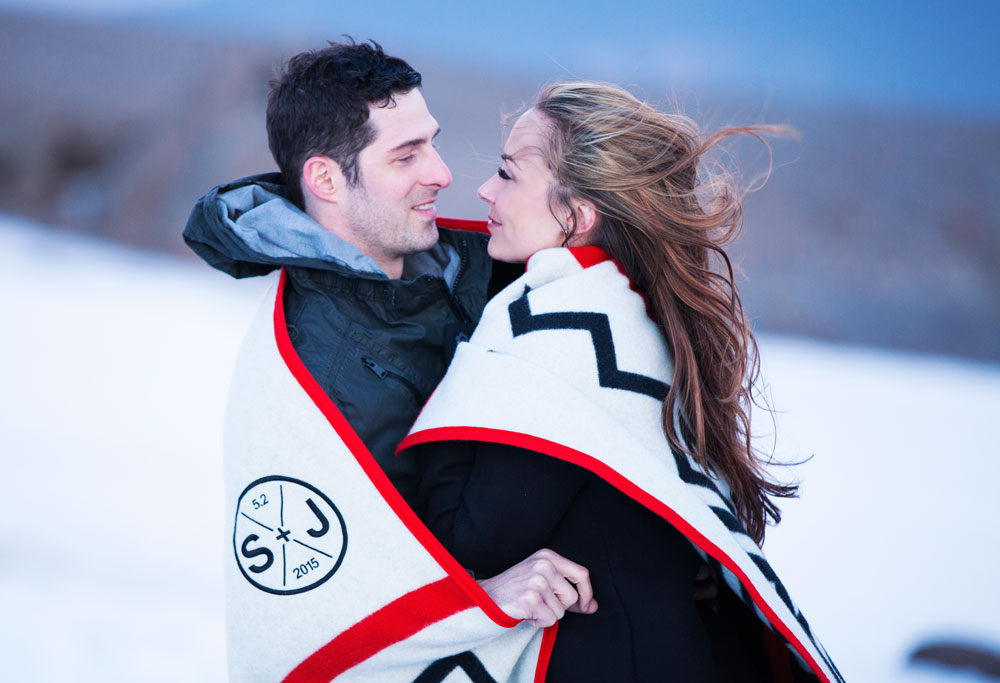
430	244
428	238
431	233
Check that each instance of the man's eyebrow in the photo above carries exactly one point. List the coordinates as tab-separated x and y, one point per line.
413	143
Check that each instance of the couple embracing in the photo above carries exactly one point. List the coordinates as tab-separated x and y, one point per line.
439	470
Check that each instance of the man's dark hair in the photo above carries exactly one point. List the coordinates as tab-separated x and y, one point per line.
319	105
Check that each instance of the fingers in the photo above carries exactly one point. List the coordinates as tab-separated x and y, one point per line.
706	585
532	605
541	588
555	583
548	607
706	591
704	572
567	571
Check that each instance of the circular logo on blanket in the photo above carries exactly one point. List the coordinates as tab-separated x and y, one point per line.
289	537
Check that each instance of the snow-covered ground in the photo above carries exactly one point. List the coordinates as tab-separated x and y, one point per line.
114	366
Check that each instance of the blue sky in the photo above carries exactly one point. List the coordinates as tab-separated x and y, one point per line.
926	54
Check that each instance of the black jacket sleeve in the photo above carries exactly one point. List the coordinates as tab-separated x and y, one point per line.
492	505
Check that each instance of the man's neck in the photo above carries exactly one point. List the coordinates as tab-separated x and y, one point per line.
391	266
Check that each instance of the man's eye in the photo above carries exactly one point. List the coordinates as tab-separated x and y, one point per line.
405	158
502	173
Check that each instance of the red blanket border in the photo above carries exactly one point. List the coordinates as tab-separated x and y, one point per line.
417	609
557	450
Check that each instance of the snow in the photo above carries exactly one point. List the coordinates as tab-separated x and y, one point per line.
892	542
114	366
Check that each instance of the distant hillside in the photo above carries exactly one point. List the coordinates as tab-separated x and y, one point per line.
879	227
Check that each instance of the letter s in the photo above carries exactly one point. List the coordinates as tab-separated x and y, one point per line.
247	553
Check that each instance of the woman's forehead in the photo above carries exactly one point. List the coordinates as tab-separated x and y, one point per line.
528	138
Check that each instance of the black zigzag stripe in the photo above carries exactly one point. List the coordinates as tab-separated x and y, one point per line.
830	664
768	572
765	569
689	475
692	476
522	321
466	661
728	519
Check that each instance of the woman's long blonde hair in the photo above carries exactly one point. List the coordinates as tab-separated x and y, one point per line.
665	219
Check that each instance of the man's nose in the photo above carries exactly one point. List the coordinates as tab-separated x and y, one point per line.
437	173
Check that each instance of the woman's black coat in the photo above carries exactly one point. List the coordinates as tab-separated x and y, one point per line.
493	505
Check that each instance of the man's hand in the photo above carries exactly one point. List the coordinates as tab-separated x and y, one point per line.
541	588
706	587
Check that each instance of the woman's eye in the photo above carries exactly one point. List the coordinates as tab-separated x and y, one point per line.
502	173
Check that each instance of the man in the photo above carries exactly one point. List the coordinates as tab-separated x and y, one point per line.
372	300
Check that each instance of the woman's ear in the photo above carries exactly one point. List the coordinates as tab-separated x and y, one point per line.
322	178
586	218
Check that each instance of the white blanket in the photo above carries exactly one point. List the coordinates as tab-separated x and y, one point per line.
330	575
566	362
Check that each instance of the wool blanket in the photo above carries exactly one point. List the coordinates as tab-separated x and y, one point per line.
566	362
330	575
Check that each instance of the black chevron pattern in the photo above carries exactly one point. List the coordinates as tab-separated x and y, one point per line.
689	475
523	321
466	661
692	476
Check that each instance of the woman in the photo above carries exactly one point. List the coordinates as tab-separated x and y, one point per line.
624	354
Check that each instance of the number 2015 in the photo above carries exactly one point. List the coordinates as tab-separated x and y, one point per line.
304	568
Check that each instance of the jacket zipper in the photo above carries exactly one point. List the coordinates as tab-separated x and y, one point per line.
382	373
462	264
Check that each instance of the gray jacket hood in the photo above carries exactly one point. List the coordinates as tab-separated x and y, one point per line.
249	227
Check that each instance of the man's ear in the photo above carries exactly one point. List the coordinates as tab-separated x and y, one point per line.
322	178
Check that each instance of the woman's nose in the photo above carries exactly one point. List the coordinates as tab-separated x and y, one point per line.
486	190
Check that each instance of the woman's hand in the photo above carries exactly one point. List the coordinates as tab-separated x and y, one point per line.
541	588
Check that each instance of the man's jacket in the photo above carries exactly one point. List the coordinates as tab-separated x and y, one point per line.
376	346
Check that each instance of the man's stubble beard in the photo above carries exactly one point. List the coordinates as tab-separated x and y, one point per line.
391	231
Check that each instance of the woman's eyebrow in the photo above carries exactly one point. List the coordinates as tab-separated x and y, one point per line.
508	157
